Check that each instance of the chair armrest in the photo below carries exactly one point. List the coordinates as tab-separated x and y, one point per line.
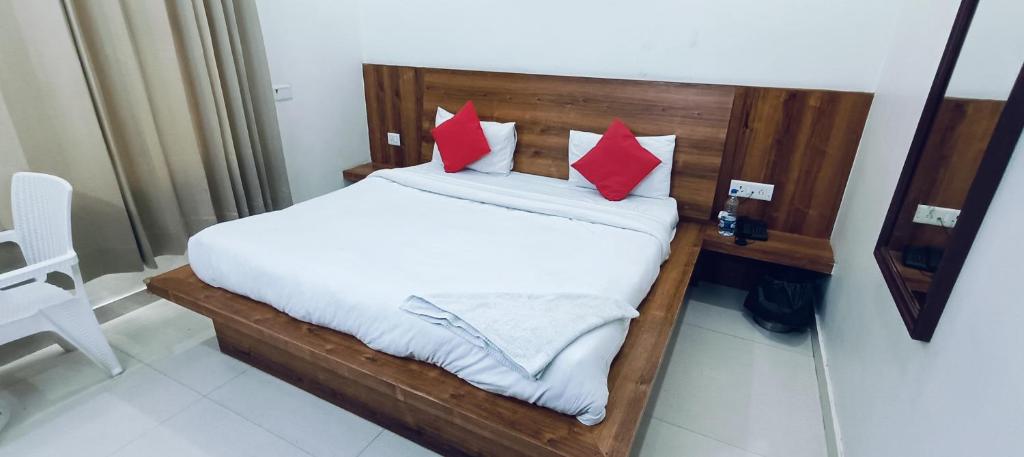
36	270
9	236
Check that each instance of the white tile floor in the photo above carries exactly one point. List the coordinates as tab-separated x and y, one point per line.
108	288
729	389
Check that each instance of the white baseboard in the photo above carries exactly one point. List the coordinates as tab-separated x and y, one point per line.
833	436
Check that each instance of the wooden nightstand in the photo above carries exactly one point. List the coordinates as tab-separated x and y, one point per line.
357	173
789	249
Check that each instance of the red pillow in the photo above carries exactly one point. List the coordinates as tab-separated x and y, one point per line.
461	140
617	163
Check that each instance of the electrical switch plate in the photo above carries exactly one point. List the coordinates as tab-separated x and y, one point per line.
755	190
394	139
283	92
936	215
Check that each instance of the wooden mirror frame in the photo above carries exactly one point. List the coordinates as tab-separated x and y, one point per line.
922	318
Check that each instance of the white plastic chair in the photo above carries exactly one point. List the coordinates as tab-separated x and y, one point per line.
41	205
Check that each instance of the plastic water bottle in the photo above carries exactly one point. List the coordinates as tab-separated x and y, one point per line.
727	218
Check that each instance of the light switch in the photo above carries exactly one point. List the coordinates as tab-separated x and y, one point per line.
755	190
936	215
283	92
394	139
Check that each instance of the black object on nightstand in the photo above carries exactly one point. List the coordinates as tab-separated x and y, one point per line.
925	258
750	229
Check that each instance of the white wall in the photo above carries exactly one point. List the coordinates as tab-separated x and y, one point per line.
314	46
991	55
835	44
317	46
963	393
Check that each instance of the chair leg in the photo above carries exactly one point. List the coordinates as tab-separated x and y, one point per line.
75	322
64	344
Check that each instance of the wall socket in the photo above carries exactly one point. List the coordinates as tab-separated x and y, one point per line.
282	92
936	215
755	190
394	139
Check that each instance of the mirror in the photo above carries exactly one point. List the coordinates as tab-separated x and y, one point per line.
968	129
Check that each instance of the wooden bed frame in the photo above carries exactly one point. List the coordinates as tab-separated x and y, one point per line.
435	408
425	403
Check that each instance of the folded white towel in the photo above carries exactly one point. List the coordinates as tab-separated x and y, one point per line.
524	332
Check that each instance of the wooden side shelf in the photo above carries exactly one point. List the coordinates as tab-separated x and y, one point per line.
799	251
358	172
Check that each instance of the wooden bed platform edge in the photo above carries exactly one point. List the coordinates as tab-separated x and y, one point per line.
423	402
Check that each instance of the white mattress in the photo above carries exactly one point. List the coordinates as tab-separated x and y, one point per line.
349	259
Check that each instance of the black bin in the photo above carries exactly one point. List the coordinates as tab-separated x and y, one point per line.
784	299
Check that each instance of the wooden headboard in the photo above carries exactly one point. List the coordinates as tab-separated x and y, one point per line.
801	140
545	108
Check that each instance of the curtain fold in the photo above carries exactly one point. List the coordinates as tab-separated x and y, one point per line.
181	109
50	126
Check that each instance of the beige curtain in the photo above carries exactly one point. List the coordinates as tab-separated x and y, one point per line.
161	111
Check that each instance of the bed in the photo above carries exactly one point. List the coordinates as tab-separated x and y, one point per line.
337	265
322	262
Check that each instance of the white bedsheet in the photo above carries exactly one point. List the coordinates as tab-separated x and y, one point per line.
349	259
524	332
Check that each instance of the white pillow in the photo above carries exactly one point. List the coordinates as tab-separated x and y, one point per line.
501	137
656	185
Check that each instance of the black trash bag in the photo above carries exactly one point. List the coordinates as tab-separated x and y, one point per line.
784	300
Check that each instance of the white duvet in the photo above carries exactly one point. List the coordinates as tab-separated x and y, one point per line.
349	259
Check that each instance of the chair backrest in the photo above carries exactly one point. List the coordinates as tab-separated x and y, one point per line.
41	206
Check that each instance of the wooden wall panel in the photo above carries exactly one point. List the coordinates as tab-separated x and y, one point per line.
375	122
803	142
410	93
393	96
